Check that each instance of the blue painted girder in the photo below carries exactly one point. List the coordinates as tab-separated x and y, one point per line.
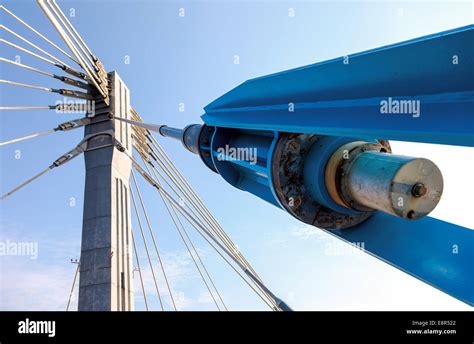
334	98
437	252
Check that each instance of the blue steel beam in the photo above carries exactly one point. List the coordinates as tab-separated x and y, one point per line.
334	98
437	252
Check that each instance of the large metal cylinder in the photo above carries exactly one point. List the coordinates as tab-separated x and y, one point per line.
329	182
403	186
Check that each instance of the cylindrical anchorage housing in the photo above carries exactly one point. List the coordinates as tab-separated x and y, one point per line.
362	176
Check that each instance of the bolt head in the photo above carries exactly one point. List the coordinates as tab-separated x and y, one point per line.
418	190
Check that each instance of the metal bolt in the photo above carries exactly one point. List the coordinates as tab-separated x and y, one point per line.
418	190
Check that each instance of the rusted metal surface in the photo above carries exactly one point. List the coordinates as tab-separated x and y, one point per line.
288	181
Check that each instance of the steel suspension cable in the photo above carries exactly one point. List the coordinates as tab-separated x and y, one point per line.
155	171
205	236
230	245
67	25
27	137
94	78
195	223
14	83
256	280
222	256
179	195
187	246
73	153
69	125
63	91
72	288
270	301
191	201
25	108
153	239
139	270
26	67
27	51
38	33
191	191
200	260
146	249
25	183
175	183
67	69
87	62
61	107
96	67
74	29
153	141
57	12
32	44
64	79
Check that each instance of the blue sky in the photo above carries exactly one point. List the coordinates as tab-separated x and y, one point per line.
190	60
